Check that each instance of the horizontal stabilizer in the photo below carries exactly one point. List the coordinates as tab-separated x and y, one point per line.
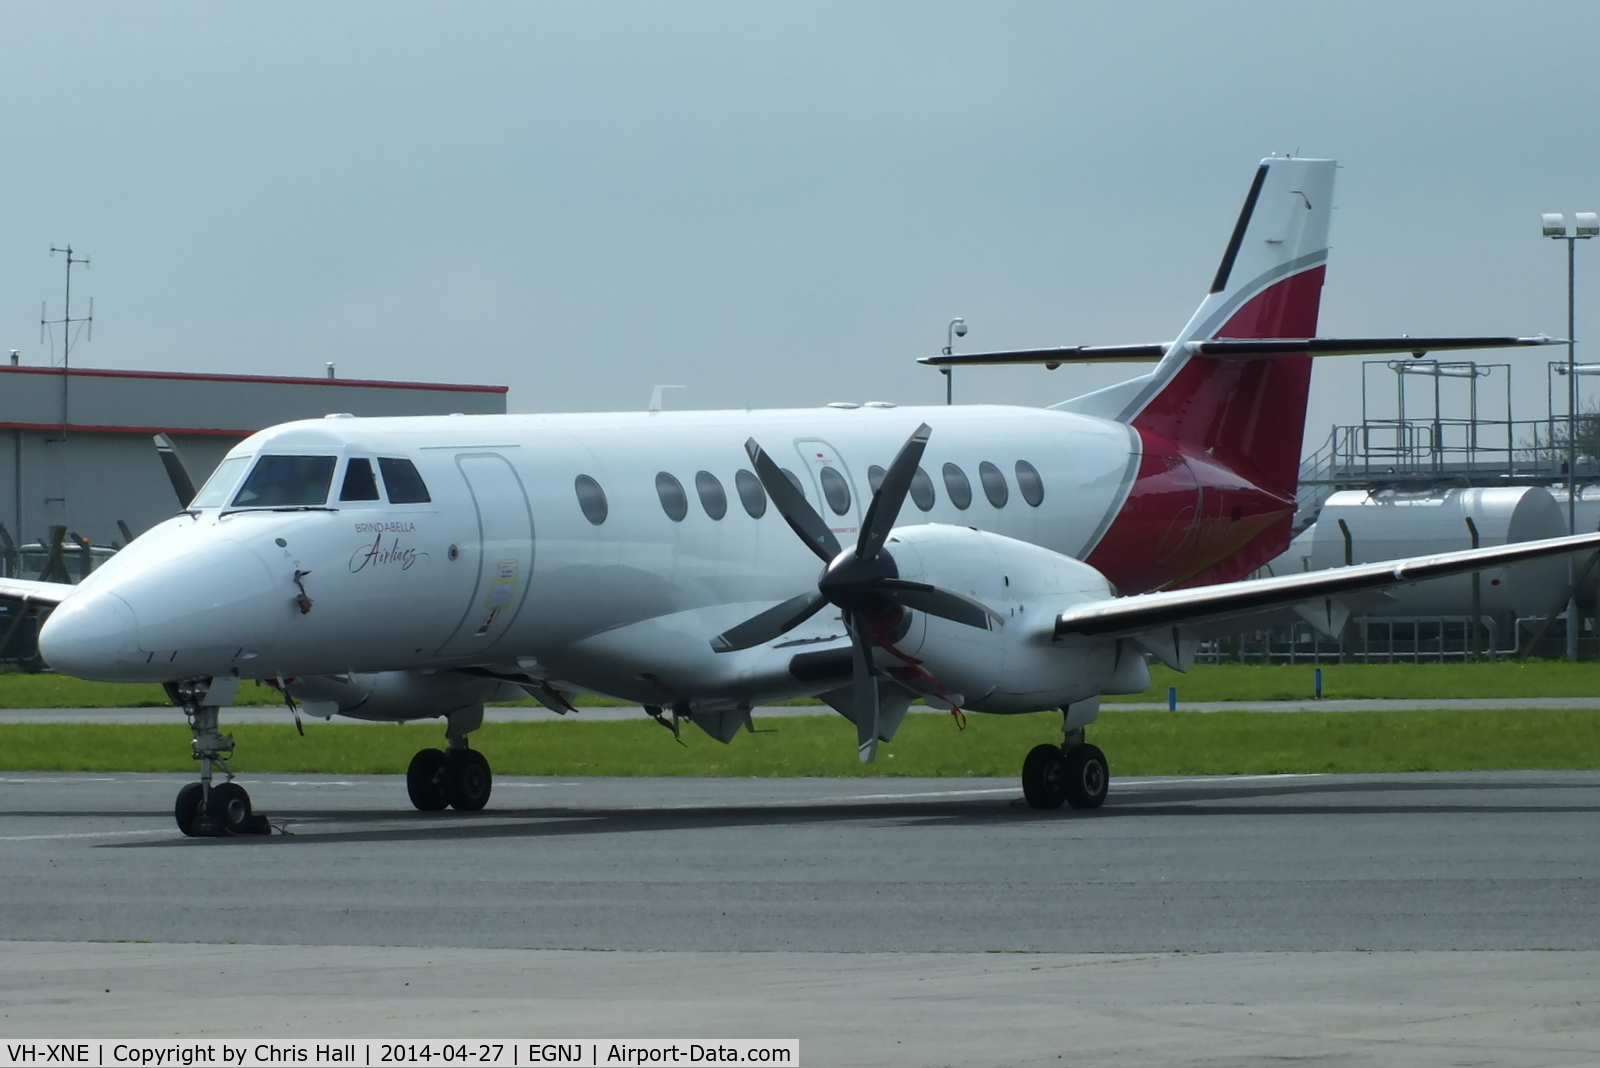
1049	357
1147	612
1240	348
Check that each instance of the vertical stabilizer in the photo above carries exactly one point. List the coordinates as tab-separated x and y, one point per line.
1249	414
1220	436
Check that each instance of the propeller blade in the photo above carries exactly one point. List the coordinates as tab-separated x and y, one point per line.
177	473
792	504
865	685
891	495
955	607
765	626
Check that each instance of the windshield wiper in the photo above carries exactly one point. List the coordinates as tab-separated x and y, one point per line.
279	508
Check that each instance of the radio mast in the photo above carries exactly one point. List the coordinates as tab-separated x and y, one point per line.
66	322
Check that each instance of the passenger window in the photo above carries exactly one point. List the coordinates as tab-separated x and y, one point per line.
287	482
751	493
994	484
215	491
360	484
673	500
400	478
875	477
712	496
1029	484
836	489
591	498
957	486
922	490
794	480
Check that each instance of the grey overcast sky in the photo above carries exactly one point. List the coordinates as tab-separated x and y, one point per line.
771	204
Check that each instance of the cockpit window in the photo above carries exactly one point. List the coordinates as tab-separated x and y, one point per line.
215	491
287	482
400	478
360	484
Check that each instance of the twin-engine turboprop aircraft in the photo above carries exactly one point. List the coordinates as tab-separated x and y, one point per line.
993	559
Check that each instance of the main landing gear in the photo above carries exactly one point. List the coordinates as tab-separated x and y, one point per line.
457	777
1075	773
204	809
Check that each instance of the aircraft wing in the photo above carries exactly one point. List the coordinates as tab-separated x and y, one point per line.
30	592
1239	348
1312	593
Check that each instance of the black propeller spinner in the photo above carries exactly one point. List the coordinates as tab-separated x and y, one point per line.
862	581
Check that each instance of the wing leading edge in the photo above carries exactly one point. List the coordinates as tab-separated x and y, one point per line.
30	592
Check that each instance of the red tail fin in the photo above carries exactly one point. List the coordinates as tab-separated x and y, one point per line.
1221	435
1250	414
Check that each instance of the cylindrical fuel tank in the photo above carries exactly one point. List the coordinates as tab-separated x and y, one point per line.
1390	524
1587	513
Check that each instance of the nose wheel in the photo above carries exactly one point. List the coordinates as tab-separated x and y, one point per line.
227	811
1077	775
206	809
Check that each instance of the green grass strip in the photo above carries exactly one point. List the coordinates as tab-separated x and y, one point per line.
1346	682
1137	743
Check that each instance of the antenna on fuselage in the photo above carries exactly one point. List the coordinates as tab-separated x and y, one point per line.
655	397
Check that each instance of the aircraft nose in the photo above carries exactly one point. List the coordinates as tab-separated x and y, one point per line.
90	636
203	611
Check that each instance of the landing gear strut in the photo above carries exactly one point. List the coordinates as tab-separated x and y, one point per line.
204	809
1075	773
457	777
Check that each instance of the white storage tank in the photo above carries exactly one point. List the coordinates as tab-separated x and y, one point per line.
1389	524
1587	512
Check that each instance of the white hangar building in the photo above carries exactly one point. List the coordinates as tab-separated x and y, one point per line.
76	449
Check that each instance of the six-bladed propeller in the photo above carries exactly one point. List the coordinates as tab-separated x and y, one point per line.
862	581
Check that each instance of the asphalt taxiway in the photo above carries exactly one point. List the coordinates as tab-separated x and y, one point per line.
1392	919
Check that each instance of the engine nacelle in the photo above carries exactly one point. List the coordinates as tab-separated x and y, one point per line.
1017	666
397	695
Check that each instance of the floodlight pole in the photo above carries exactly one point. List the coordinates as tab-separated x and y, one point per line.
949	344
1572	448
1555	226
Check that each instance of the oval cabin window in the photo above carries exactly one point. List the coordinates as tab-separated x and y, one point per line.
922	490
712	496
875	477
957	486
1029	484
591	498
794	480
994	484
836	489
673	500
751	493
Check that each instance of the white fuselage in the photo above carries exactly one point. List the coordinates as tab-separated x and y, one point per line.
501	567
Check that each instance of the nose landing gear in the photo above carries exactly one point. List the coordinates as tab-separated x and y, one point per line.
1075	774
456	778
203	809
